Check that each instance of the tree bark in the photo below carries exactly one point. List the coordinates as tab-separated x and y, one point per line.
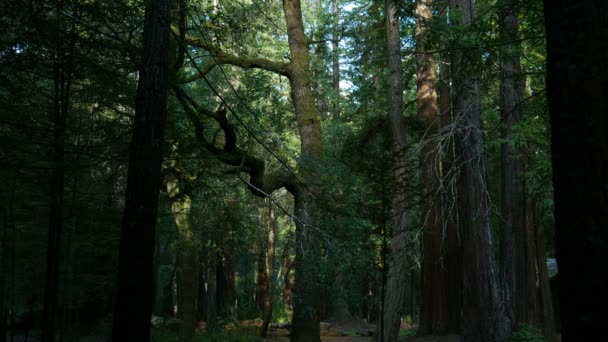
305	321
483	309
181	208
269	269
433	308
453	243
518	274
577	45
136	256
397	271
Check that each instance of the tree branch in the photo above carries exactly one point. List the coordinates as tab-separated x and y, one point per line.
225	58
262	182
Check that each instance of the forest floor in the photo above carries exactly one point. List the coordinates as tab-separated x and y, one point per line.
353	330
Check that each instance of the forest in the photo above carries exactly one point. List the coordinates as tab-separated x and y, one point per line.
303	170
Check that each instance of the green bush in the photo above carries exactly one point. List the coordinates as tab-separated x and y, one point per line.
527	333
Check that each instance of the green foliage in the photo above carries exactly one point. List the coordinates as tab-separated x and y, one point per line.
527	333
240	335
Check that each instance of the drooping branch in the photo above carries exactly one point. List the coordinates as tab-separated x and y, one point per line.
224	58
261	182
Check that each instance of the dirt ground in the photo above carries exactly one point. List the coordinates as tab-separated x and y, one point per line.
357	327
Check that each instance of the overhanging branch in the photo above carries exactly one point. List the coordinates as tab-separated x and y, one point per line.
262	182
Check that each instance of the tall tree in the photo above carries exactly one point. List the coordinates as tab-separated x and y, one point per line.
434	308
394	296
268	267
136	259
577	74
517	256
335	59
181	206
483	309
452	242
63	66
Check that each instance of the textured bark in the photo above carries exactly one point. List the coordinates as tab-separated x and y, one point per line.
136	256
394	296
577	88
181	208
269	269
453	243
305	321
433	308
483	309
519	275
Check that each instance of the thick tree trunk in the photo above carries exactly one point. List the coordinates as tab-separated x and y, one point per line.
453	243
577	88
307	287
136	257
434	308
519	278
305	322
269	269
181	207
483	309
397	271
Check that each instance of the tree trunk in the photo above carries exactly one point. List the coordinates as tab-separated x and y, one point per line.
335	59
305	321
483	309
519	278
7	251
227	287
546	301
181	207
453	243
212	324
433	309
268	262
577	41
136	256
263	280
63	64
397	271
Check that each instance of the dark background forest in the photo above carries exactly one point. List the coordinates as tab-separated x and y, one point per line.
265	170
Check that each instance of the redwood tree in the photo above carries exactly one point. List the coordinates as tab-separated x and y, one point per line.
394	295
483	311
433	308
518	253
577	89
134	294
